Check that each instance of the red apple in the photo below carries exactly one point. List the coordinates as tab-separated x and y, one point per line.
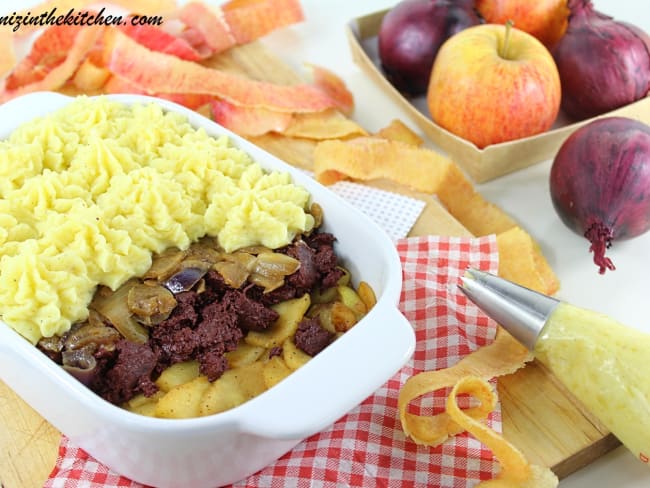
494	83
547	20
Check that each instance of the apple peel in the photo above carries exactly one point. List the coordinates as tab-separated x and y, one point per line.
159	40
115	84
8	58
247	121
54	58
503	356
251	19
334	86
206	25
516	471
89	77
162	73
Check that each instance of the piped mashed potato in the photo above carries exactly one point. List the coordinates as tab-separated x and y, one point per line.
91	191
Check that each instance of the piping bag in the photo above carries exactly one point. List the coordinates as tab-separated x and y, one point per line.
601	361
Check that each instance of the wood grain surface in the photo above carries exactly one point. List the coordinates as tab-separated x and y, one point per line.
539	415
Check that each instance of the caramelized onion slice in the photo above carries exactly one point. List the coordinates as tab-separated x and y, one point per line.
254	250
113	306
275	265
271	268
233	273
150	303
269	284
244	259
90	335
165	264
206	250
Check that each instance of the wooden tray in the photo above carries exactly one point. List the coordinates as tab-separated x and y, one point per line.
481	164
539	416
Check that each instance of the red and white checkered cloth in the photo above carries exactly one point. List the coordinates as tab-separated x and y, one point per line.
367	447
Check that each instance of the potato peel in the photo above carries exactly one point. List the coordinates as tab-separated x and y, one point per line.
503	356
516	471
462	200
521	261
397	130
328	124
392	156
369	158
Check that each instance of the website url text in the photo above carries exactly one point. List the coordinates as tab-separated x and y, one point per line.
84	18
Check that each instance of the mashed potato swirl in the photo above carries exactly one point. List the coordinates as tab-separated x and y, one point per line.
89	192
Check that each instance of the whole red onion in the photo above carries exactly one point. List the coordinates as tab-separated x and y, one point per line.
603	63
411	34
600	183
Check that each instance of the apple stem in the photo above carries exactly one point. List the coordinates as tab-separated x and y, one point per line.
506	39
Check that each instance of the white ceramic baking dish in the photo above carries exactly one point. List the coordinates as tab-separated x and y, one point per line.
223	448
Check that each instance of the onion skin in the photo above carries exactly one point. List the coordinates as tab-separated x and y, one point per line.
604	64
411	34
600	183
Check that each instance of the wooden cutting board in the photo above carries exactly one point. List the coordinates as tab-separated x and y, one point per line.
539	415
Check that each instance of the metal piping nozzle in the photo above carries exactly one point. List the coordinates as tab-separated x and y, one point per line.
521	311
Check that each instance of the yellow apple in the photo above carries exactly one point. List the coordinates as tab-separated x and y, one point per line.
494	83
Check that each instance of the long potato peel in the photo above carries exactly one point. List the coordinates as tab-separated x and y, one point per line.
397	130
369	158
516	471
327	124
395	154
522	261
503	356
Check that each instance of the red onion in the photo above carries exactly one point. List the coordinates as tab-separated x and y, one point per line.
603	64
411	34
600	183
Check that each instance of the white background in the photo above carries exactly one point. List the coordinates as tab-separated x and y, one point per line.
623	294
